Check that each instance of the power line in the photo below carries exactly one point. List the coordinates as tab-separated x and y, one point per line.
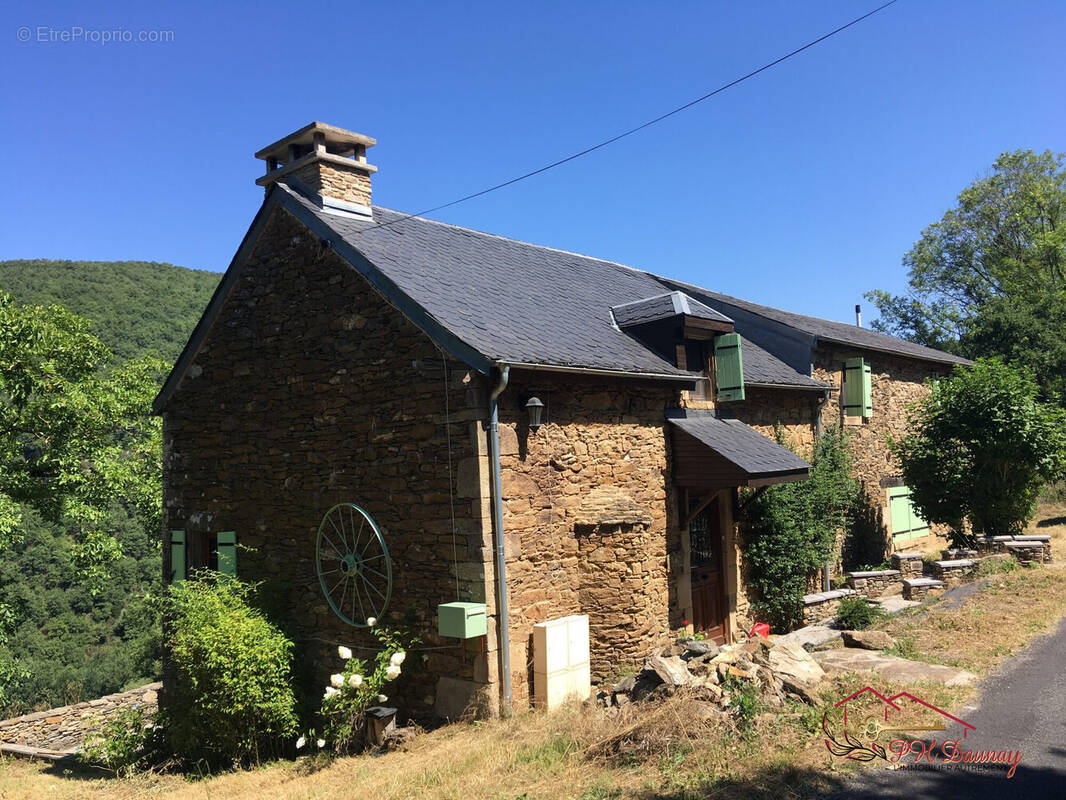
640	127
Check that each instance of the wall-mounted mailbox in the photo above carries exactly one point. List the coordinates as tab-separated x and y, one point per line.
462	620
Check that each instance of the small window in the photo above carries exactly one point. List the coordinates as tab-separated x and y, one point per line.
212	551
904	521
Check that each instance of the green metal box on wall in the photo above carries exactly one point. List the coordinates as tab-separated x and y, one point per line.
462	620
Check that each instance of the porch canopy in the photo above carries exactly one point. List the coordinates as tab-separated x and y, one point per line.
715	453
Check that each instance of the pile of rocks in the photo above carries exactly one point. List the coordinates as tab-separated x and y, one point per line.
780	668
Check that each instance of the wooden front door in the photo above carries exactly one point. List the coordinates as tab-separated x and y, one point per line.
708	579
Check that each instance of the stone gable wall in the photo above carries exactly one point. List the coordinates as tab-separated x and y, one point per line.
311	390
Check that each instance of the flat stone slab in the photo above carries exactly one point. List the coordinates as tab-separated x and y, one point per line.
811	635
1022	545
959	563
894	603
876	573
907	555
917	583
1038	537
821	597
25	751
892	668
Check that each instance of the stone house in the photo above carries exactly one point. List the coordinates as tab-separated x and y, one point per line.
534	430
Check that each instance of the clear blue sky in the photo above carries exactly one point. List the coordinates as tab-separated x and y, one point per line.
801	188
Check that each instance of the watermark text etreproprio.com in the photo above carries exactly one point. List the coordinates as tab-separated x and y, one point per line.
76	34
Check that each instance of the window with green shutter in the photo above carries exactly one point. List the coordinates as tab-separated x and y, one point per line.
858	388
177	556
227	553
904	521
728	367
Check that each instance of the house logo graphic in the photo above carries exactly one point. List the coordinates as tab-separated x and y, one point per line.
865	732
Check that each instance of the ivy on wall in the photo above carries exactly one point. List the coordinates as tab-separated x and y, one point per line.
790	530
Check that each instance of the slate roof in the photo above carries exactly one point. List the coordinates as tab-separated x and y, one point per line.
830	331
762	368
518	302
738	443
664	306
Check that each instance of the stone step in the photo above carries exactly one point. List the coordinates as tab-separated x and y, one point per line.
1034	538
823	597
876	573
919	588
956	563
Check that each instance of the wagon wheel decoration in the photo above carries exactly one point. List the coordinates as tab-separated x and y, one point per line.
354	568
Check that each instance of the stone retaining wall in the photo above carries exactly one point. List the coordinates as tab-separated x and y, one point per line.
823	605
67	727
876	583
954	573
909	565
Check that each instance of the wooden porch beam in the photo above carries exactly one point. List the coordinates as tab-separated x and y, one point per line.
706	501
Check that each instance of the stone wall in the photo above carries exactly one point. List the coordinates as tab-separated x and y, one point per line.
896	383
311	390
66	728
590	515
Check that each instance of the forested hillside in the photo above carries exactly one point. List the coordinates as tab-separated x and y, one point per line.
80	567
135	307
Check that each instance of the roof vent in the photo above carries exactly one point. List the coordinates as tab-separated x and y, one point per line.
324	162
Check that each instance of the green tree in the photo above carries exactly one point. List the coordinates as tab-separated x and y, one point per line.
791	529
990	277
981	446
75	434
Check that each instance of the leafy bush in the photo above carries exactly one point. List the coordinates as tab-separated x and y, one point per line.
120	744
857	613
743	700
982	446
792	528
357	687
232	695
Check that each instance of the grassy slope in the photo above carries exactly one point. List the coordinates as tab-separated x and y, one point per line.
557	756
135	306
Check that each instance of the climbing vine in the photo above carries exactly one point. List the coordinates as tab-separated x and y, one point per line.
790	530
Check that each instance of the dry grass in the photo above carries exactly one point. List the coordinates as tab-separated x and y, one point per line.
665	750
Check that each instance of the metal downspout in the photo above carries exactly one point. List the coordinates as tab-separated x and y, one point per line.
827	580
503	634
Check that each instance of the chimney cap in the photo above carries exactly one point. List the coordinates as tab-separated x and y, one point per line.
306	135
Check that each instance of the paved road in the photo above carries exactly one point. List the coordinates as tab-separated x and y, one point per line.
1023	707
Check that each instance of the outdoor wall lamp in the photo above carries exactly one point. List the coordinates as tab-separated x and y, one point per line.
535	409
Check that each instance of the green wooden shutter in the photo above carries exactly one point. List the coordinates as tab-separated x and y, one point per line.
177	556
729	367
227	553
858	388
904	521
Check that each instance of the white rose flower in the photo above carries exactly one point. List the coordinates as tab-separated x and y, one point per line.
355	681
300	742
382	698
336	680
371	622
392	672
330	691
344	652
321	743
398	657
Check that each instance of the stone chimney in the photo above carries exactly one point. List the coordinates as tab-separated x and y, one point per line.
325	162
